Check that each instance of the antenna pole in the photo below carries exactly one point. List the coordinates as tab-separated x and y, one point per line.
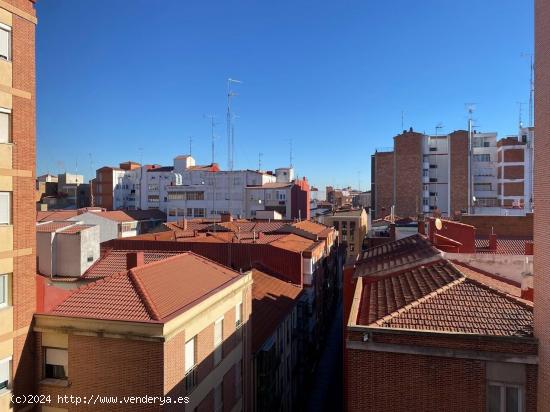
260	161
190	145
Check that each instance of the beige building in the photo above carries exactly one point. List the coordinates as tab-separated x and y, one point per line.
352	226
148	335
17	198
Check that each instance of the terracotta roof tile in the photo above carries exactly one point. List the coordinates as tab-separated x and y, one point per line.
391	256
439	297
52	226
45	216
73	230
153	292
114	261
272	301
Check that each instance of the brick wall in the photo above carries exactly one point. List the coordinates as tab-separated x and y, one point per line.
384	381
542	197
459	170
23	208
514	155
513	189
513	172
408	179
507	226
383	168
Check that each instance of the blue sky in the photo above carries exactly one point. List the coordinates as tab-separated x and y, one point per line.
114	76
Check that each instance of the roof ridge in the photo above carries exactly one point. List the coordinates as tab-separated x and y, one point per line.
418	301
143	295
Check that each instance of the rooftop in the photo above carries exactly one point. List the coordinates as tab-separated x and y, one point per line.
417	290
154	292
396	255
114	261
272	301
50	227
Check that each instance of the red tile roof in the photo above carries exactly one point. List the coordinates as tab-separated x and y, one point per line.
45	216
399	254
152	292
272	301
312	227
52	226
505	246
438	297
73	230
116	215
114	261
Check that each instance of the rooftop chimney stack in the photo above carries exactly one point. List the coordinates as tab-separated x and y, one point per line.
134	259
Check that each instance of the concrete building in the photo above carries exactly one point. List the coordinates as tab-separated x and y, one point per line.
352	226
542	199
17	198
453	338
188	190
145	335
66	248
112	224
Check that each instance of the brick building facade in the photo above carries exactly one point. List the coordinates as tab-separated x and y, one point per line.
17	196
542	197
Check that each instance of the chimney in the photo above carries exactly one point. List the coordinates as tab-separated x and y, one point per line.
184	224
134	259
226	217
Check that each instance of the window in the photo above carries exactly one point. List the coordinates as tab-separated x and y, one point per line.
5	42
4	295
504	397
189	354
218	398
433	149
482	186
153	186
238	314
485	157
190	212
199	212
5	373
56	366
153	198
433	179
90	256
5	129
433	166
5	208
218	339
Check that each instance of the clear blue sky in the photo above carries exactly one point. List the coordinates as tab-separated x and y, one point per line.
115	76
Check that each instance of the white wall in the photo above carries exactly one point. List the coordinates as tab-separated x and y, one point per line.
108	229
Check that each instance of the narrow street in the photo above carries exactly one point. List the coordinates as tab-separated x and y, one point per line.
326	394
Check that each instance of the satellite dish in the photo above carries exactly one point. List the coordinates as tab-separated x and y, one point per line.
438	224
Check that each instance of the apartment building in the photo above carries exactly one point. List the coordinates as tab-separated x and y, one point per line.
427	334
542	200
422	174
436	175
352	226
103	186
515	170
17	197
147	336
188	190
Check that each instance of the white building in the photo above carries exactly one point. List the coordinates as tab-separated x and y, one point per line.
112	224
66	248
192	191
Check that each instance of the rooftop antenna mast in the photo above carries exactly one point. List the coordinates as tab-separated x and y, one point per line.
290	154
190	145
359	178
230	129
91	179
438	127
520	115
402	120
531	87
213	124
471	108
260	161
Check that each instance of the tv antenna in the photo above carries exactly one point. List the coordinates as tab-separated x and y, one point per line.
531	86
213	124
230	118
260	161
190	145
438	127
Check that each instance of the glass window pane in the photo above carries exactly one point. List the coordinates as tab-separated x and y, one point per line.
3	289
512	399
4	127
5	208
493	398
4	44
189	354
